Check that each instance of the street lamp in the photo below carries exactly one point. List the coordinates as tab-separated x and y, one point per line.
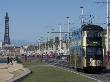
39	44
47	41
82	15
52	38
68	33
60	38
45	46
107	25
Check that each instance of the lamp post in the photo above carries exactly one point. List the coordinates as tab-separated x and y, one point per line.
47	41
82	15
60	39
53	39
39	44
107	25
68	33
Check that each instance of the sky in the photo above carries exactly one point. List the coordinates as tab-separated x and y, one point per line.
32	19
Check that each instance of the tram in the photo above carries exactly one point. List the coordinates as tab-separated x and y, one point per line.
87	48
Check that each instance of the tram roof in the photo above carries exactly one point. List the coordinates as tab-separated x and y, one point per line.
91	27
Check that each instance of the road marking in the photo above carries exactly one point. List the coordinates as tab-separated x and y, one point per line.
77	73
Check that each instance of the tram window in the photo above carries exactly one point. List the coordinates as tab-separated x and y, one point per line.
93	34
93	43
99	52
90	34
94	51
100	34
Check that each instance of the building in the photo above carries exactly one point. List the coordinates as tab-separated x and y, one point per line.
107	54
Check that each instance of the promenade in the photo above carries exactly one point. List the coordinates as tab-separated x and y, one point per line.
10	71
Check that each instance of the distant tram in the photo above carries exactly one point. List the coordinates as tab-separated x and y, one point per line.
87	48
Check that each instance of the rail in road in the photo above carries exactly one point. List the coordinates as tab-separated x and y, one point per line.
99	77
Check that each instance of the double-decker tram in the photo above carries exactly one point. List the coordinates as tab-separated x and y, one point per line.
87	48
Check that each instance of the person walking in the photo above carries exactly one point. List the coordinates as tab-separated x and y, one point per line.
8	60
11	60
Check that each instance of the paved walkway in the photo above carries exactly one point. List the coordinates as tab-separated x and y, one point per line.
9	71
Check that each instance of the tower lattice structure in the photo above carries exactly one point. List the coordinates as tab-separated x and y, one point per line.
6	34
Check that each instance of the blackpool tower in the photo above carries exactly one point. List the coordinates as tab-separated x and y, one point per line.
6	34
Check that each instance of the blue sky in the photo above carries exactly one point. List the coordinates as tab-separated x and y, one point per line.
32	19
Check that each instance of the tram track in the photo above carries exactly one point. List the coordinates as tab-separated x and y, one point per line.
102	77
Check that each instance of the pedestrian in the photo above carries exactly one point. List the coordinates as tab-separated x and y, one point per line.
8	60
11	60
25	58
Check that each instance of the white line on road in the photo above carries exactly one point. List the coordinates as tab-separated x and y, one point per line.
78	73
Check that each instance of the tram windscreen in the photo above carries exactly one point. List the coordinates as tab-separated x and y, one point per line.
92	34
